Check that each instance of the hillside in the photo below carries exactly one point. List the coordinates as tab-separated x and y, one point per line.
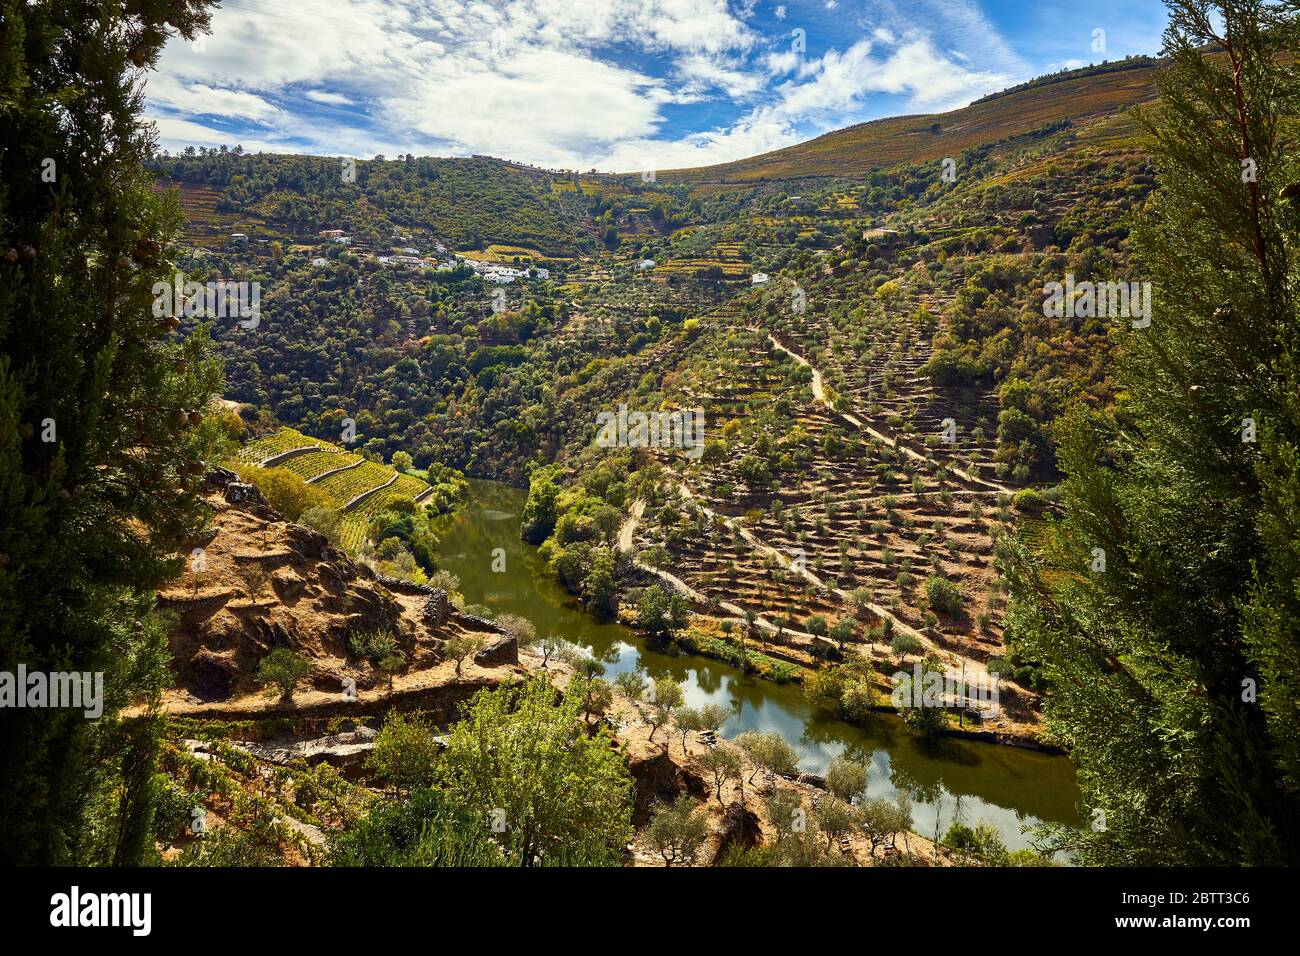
256	582
1078	97
360	489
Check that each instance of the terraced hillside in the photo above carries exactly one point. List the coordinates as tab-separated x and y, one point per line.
359	488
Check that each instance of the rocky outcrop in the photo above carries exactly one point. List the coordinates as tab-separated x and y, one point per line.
255	582
499	652
657	778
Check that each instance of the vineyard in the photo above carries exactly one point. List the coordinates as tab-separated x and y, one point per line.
359	488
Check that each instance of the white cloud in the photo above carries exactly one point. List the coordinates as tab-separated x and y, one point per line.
565	83
328	98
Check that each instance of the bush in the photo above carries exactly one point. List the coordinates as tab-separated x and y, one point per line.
425	830
944	596
284	491
282	669
1028	501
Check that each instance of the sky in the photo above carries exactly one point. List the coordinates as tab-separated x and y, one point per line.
614	85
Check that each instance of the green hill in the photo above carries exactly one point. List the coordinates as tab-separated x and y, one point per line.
1081	96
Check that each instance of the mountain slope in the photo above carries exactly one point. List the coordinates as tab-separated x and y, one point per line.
1080	96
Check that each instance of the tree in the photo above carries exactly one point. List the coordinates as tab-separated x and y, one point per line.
834	818
390	665
551	645
402	461
102	434
1174	672
706	719
284	491
405	752
843	631
600	586
425	830
661	612
541	510
768	751
904	644
588	683
846	778
678	830
668	696
689	720
463	645
724	764
633	684
520	628
525	755
282	669
882	820
943	596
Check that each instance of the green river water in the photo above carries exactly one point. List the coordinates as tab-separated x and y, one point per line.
1007	787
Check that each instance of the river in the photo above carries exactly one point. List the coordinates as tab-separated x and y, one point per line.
1007	787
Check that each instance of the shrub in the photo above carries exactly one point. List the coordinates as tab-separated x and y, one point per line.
943	596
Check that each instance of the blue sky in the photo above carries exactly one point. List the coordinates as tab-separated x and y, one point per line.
609	84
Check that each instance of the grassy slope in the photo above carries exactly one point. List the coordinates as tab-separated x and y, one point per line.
903	139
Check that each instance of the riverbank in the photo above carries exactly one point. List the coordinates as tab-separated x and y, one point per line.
947	777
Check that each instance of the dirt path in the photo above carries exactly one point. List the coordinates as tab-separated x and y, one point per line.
628	530
819	393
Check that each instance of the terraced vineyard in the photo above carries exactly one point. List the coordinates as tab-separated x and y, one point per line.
801	513
205	225
360	488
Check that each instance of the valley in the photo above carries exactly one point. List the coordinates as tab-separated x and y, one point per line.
920	493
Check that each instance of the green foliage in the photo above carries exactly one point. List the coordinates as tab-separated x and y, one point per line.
526	752
677	831
281	670
405	754
286	492
102	433
426	829
1173	671
944	596
661	611
541	511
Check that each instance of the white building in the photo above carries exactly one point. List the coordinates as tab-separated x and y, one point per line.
759	278
645	264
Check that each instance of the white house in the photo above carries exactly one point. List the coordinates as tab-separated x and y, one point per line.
645	264
320	261
759	278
